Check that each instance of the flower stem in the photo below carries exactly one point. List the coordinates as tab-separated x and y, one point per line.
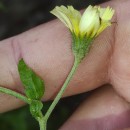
15	94
42	122
42	125
59	95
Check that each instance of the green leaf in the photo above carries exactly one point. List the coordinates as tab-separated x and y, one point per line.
35	108
34	85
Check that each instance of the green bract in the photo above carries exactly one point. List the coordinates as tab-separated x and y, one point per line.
80	46
35	109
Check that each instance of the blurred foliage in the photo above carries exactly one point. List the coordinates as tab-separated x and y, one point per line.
2	7
17	16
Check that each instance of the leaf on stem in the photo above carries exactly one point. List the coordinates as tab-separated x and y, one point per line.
34	85
35	108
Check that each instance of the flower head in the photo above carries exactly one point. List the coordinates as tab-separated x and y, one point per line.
84	28
93	21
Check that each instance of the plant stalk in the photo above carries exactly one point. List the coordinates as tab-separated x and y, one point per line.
42	122
60	93
15	94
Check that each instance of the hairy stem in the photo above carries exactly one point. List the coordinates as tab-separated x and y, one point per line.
42	122
60	93
15	94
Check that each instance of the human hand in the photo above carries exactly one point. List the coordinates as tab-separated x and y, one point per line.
47	50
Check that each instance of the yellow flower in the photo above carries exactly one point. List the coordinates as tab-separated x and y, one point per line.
93	21
84	27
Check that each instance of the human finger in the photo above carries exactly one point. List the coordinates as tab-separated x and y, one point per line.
103	110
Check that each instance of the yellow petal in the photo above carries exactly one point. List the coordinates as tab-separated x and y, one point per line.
103	27
96	26
69	16
89	20
75	17
59	13
106	13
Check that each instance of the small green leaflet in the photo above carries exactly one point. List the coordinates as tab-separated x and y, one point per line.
35	108
34	85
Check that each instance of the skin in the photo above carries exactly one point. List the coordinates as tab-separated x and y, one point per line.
47	50
104	109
